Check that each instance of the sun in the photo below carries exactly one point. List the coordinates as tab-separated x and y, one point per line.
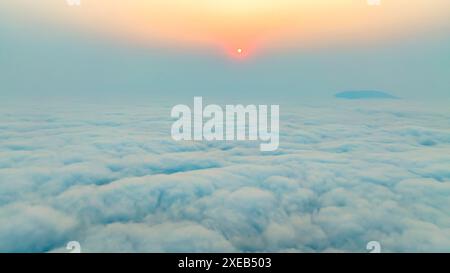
239	52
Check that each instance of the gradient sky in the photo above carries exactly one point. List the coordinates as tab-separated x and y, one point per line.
291	48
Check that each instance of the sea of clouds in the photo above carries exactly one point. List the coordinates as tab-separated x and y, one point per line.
110	177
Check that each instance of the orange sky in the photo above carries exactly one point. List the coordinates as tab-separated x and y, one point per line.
246	24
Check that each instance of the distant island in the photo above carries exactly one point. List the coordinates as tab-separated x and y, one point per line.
364	94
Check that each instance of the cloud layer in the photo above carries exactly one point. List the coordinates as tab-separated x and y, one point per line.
111	178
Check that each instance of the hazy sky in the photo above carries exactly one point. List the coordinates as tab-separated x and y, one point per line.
182	48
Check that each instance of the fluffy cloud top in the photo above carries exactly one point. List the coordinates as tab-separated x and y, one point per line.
111	178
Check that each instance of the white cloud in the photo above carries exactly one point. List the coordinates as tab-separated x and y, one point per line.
32	228
111	178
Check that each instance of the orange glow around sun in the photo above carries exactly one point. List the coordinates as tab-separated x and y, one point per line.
240	27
